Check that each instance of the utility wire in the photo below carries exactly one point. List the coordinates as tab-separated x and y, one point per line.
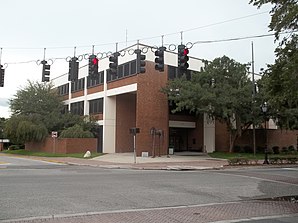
191	44
140	39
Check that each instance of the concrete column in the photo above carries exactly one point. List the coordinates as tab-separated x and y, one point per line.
209	134
109	124
86	102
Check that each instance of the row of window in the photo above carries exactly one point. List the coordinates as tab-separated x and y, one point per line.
124	70
63	89
77	108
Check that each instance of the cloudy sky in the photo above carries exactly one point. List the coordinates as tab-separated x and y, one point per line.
27	27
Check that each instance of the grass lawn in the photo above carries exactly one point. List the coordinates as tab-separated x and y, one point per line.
43	154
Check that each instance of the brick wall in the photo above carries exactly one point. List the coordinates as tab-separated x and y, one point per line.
275	137
125	119
151	109
63	145
222	137
95	89
122	82
77	94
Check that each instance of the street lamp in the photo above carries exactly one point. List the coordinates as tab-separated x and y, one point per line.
264	108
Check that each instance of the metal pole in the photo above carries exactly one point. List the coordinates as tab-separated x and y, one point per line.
153	145
253	97
134	148
266	143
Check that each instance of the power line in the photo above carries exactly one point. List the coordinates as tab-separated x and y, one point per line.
189	45
140	39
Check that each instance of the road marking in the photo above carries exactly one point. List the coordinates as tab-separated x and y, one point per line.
295	169
3	163
257	178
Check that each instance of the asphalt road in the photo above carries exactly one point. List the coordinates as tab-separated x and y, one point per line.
34	188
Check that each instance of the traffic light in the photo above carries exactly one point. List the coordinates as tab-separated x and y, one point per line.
159	60
2	71
114	63
45	71
93	66
183	58
141	63
73	73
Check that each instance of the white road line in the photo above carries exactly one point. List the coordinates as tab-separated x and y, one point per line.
258	178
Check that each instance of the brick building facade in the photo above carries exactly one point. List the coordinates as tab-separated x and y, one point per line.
135	100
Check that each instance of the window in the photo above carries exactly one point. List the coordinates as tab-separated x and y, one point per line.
77	108
173	72
63	89
124	70
96	106
95	82
64	109
78	85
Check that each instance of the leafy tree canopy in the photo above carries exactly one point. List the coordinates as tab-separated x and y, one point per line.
76	131
36	111
280	79
222	90
283	15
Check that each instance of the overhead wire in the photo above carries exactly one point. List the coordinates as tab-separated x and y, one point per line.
140	39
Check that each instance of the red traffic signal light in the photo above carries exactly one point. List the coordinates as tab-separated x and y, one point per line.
185	52
95	61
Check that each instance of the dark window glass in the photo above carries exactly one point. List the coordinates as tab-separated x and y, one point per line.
92	82
120	71
63	89
64	109
77	108
173	73
96	106
133	67
126	69
78	85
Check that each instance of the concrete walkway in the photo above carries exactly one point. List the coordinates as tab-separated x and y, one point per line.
126	161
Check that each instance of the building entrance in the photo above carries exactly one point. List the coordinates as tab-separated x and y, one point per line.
179	139
185	139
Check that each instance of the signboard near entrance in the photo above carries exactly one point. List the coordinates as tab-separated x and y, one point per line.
54	134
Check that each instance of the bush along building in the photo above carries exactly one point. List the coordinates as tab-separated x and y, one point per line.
123	91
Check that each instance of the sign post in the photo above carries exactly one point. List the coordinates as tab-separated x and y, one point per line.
134	131
54	136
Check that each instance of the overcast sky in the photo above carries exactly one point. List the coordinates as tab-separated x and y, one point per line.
29	26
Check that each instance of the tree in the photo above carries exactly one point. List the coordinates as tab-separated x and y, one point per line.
21	129
36	111
284	15
38	101
222	90
76	131
280	79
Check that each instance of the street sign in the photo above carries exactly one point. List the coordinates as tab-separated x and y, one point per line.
54	134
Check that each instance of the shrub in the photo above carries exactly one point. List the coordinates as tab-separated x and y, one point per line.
285	150
260	149
237	149
76	131
275	149
238	160
291	149
16	147
248	149
269	150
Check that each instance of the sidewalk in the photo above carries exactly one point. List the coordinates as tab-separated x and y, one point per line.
126	161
